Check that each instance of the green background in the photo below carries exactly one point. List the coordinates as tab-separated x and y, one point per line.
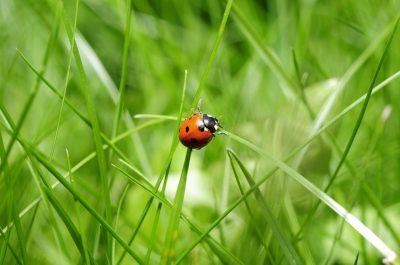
282	70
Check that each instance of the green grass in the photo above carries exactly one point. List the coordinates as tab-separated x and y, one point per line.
306	170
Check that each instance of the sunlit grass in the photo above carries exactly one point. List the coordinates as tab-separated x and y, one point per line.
304	171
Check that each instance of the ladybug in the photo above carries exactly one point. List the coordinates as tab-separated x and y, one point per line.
198	130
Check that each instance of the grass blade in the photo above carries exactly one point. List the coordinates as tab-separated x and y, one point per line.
6	243
101	160
144	187
370	236
173	226
18	226
154	116
9	246
120	201
156	219
70	56
9	179
248	207
80	164
121	99
85	204
33	94
40	183
357	124
356	260
94	61
284	242
88	258
50	167
363	109
51	198
289	86
164	171
210	61
32	152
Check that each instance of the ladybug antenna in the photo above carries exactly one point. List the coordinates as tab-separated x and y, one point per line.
199	104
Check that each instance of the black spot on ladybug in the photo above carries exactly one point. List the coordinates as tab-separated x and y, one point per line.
194	140
187	129
201	127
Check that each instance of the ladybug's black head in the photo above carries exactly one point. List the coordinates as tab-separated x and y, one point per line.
211	123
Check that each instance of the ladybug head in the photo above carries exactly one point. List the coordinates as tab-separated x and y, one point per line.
211	123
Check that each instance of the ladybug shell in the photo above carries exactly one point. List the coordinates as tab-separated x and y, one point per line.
194	133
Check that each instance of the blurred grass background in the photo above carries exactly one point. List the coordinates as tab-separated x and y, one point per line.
277	66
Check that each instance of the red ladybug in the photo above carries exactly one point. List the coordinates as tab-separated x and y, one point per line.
198	130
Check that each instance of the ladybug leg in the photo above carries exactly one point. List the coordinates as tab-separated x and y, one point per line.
220	132
196	111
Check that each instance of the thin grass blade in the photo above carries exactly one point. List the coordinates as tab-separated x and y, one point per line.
173	226
121	98
370	236
284	242
210	61
164	171
50	196
50	167
101	160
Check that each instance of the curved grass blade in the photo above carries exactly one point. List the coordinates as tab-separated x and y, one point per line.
284	242
84	203
33	94
88	257
224	255
32	152
351	71
101	160
49	166
357	124
40	183
51	198
205	235
83	162
289	87
363	109
94	61
248	207
371	237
